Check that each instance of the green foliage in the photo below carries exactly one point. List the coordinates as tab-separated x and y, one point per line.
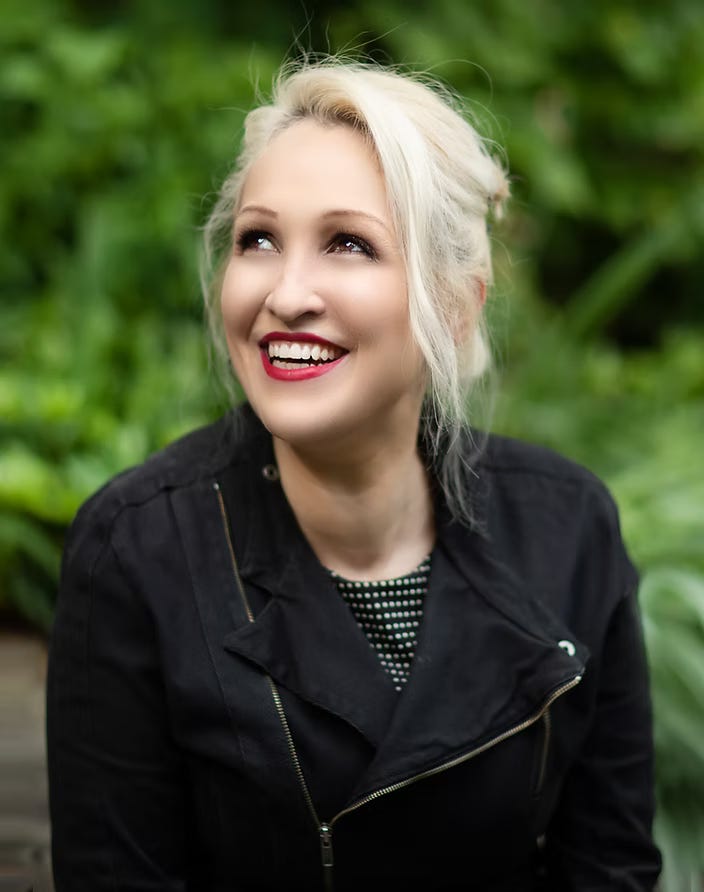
112	150
638	420
117	119
599	107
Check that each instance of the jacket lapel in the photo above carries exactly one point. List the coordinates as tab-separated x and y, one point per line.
304	635
308	641
488	659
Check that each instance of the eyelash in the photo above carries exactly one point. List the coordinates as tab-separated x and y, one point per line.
247	239
342	237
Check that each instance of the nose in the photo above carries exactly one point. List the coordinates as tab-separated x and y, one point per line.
293	294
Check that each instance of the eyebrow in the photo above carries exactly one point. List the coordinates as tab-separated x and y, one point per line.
334	212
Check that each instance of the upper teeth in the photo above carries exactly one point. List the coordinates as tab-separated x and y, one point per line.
298	350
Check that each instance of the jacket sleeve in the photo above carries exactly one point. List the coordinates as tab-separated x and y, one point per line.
600	838
118	799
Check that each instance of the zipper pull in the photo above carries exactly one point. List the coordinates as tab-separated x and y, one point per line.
326	845
326	855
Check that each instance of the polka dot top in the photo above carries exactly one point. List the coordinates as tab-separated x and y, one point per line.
389	612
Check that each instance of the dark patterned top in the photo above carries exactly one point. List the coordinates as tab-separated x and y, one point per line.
389	612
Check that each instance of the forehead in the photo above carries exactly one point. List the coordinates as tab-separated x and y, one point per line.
314	162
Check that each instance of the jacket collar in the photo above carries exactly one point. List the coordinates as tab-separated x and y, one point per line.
486	640
305	636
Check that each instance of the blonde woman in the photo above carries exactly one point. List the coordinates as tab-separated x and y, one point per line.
335	640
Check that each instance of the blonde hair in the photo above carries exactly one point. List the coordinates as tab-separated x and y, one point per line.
442	184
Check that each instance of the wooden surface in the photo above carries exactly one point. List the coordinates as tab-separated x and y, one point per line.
24	814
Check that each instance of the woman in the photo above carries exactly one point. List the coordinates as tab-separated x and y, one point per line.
327	641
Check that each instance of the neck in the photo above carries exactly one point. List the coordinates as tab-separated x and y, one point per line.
366	518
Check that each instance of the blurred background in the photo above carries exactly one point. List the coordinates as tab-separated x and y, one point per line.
118	120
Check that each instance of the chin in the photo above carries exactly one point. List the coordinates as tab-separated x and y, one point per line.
310	427
292	425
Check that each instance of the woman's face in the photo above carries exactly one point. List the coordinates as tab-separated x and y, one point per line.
314	297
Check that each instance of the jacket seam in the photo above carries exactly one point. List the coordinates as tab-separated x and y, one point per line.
585	478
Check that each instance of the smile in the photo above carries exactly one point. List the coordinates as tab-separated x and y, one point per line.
292	355
295	360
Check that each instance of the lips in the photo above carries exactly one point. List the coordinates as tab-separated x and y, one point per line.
296	357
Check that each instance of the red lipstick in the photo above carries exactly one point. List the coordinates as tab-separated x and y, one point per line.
301	337
305	372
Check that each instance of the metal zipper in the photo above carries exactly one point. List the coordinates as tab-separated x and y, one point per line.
274	690
325	827
457	760
324	831
542	765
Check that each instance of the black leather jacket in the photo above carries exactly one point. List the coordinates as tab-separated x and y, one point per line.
218	721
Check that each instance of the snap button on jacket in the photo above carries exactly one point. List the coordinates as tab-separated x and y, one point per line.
217	720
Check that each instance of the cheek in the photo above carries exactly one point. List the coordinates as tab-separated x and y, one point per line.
238	301
376	305
394	323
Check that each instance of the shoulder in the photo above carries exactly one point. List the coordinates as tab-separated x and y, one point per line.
199	455
529	472
544	509
555	526
507	456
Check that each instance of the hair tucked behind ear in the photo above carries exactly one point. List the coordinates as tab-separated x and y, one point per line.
442	184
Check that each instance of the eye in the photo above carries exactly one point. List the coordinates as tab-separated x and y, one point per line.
346	243
255	240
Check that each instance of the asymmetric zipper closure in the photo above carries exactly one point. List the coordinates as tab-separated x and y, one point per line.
324	830
325	827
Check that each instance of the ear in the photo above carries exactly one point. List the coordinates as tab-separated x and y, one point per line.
463	328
